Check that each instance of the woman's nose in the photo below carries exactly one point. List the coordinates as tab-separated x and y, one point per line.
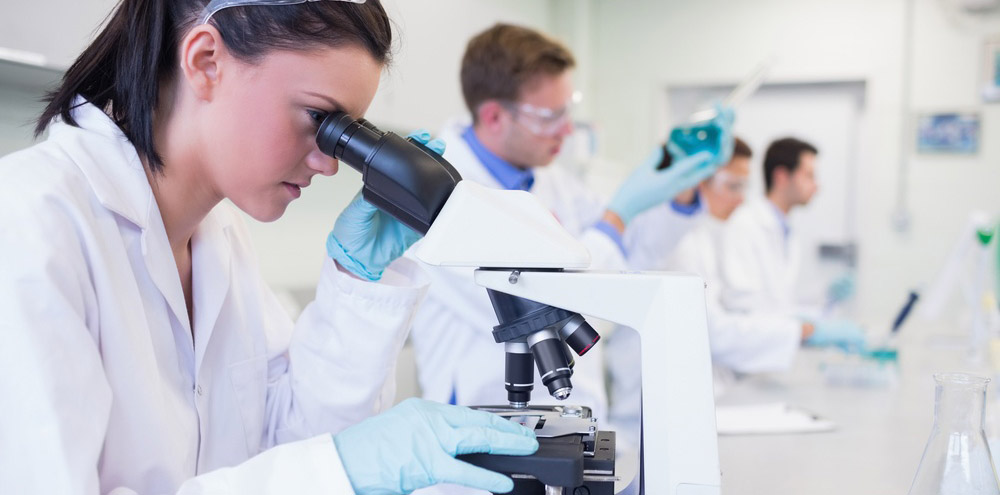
322	163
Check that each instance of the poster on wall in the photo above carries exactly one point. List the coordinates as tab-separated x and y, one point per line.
991	72
948	133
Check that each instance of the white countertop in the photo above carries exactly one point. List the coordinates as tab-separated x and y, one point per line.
880	436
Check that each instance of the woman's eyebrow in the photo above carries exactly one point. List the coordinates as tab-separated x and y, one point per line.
336	105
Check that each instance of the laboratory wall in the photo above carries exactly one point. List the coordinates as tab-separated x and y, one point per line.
639	49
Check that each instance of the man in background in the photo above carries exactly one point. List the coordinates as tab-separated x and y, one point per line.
760	258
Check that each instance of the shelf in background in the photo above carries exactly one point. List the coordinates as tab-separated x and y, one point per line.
27	75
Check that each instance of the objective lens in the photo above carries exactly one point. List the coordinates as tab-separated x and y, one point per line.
550	357
580	336
519	374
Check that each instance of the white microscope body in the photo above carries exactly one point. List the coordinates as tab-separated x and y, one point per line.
519	248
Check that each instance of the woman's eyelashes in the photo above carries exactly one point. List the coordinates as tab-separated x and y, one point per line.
317	116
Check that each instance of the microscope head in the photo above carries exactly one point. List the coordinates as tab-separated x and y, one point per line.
470	225
512	231
538	334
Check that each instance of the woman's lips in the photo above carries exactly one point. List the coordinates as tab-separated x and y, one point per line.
295	190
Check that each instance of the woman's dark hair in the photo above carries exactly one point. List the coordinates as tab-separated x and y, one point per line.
120	72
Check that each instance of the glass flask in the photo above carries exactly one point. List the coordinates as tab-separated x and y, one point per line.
957	458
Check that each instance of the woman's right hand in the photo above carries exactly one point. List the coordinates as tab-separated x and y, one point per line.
414	445
365	240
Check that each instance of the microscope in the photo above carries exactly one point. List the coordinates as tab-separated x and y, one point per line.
536	277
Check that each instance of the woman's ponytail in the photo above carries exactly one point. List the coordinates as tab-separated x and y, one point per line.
120	72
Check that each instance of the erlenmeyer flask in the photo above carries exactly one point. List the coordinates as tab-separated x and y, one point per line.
957	458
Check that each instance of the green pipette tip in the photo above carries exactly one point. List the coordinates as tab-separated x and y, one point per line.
985	235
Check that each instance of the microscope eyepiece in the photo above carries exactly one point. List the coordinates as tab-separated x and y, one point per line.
402	177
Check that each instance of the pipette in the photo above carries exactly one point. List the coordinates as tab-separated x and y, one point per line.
747	87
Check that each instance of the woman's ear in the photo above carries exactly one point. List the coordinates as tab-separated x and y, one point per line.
201	55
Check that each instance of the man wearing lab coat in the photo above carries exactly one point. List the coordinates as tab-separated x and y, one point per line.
745	343
751	342
517	85
760	258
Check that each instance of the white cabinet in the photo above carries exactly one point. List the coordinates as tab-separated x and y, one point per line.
56	29
37	40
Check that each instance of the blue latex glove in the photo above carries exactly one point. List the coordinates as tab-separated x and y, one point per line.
414	445
692	162
424	137
841	289
365	240
844	334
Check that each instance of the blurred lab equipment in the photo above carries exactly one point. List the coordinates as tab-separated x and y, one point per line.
967	268
904	312
703	125
533	270
844	334
957	459
777	418
874	367
839	291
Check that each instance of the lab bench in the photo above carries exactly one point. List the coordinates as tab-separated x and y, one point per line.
881	430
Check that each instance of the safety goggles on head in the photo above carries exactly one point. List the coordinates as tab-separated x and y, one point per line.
541	121
217	5
728	181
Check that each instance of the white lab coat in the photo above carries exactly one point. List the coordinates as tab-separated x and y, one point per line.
452	332
759	263
653	235
108	390
751	342
650	241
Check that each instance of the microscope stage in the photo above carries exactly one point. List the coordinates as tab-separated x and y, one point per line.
572	452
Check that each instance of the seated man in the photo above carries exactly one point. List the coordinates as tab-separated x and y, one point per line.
754	340
751	342
759	260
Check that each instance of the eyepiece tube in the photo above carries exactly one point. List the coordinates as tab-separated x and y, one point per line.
348	140
402	177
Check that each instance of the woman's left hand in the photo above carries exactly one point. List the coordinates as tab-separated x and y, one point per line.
365	240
